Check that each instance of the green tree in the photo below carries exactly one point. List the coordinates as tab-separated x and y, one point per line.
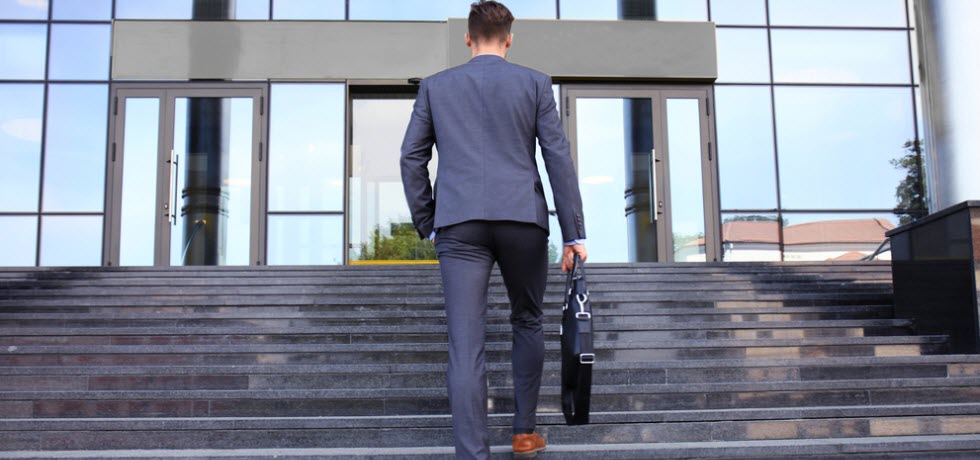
911	190
403	244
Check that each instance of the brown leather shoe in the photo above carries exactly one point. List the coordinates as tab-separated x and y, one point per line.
528	444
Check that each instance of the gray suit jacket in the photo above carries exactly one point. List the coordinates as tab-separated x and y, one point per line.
484	117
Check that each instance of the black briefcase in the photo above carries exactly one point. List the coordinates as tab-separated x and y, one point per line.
577	354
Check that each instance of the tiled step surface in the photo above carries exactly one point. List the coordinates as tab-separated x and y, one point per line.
707	360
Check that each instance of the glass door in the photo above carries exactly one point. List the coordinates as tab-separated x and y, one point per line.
380	229
186	174
646	172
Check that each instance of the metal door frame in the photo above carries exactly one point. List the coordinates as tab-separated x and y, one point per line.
709	164
167	94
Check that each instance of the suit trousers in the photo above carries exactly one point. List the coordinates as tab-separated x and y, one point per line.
467	252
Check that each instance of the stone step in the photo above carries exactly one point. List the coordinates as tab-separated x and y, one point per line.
437	334
433	401
436	353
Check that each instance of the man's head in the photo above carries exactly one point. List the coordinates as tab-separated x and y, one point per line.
489	25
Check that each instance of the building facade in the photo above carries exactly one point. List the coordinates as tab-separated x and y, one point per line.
267	132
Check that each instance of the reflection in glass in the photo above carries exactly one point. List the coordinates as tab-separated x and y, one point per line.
743	55
555	243
523	9
183	9
681	10
74	162
746	161
71	241
82	10
836	145
589	9
380	222
139	198
615	142
24	48
306	147
79	52
834	237
840	56
306	240
18	247
739	12
686	192
308	9
865	13
542	170
21	9
20	146
749	237
403	10
213	181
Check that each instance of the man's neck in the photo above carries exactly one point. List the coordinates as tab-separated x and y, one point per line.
502	52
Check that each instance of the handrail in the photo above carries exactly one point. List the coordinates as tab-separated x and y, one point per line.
197	227
880	249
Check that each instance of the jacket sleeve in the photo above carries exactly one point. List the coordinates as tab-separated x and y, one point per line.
416	153
558	162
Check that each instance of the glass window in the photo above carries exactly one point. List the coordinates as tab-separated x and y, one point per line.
686	201
743	55
589	9
308	9
20	146
740	12
183	9
82	10
682	10
306	147
746	161
403	10
70	241
75	150
24	48
840	56
749	237
836	146
602	177
140	162
306	240
24	9
865	13
834	237
79	52
18	247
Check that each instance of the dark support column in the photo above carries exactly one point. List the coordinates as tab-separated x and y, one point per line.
637	9
205	205
638	140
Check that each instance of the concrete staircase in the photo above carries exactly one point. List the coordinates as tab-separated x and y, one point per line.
749	360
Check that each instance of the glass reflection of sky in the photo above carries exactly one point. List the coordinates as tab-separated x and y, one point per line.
682	10
741	12
68	241
18	247
23	47
746	162
864	13
182	9
24	9
602	177
139	197
835	145
306	147
590	9
20	146
79	52
684	156
91	10
306	240
840	56
74	161
429	10
743	55
308	9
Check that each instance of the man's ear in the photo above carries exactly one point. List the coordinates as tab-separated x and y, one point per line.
469	43
510	39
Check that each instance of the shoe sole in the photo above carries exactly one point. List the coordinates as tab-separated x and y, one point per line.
529	454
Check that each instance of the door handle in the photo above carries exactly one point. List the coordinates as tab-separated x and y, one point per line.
653	186
172	196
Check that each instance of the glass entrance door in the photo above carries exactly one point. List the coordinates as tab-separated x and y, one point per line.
380	229
646	173
185	177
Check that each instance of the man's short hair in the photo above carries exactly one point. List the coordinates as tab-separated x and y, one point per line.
489	21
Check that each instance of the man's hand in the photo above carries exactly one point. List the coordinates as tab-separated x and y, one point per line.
569	257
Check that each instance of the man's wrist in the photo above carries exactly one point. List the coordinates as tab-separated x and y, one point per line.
574	242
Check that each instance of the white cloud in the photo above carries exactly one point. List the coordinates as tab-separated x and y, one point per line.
27	129
39	4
